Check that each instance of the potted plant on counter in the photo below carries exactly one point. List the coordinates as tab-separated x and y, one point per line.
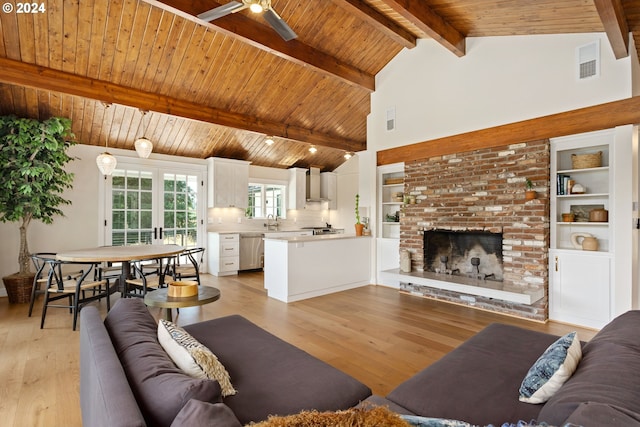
359	225
32	159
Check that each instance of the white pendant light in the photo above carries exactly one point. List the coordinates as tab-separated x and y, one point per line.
143	145
105	161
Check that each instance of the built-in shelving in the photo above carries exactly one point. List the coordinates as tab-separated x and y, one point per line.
595	182
391	199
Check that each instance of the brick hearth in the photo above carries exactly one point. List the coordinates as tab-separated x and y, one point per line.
484	190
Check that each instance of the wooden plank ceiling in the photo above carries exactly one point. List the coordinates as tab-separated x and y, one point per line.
121	69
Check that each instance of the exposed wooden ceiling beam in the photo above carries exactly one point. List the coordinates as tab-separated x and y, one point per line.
588	119
421	15
20	73
376	19
615	25
265	38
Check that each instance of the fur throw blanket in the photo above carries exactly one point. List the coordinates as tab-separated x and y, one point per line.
358	417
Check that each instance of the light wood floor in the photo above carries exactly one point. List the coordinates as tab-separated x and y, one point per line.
374	333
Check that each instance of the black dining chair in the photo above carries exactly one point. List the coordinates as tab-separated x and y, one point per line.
146	278
78	288
41	267
188	264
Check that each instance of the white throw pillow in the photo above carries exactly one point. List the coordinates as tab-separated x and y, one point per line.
192	357
556	365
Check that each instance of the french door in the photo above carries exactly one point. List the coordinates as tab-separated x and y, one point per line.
146	205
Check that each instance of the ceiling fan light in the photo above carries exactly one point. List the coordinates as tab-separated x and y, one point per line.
313	149
106	163
256	7
143	147
269	140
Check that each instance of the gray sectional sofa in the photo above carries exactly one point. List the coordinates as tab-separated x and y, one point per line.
478	382
128	380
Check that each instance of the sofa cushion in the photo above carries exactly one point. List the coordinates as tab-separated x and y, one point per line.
192	357
106	399
552	369
204	414
607	374
599	414
272	376
160	387
477	382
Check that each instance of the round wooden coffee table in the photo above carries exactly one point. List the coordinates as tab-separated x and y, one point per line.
159	298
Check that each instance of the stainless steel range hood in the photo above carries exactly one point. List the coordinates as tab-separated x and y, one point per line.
313	185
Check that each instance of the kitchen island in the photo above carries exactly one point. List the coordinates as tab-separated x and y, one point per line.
297	268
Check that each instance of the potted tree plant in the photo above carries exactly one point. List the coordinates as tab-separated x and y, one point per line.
32	159
359	225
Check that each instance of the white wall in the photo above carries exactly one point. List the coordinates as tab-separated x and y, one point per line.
500	80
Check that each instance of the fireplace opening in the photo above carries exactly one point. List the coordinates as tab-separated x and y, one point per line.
472	254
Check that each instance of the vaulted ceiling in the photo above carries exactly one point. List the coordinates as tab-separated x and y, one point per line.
121	69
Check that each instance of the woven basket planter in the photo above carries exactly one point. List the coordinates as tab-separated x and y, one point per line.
584	161
18	287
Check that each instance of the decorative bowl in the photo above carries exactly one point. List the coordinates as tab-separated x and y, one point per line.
183	289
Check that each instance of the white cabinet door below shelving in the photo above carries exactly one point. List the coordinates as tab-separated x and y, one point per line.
580	291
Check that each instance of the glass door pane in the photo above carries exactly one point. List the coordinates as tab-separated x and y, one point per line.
180	209
131	207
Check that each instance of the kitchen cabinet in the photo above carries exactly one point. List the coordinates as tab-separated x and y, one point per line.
329	189
307	267
297	188
224	253
228	183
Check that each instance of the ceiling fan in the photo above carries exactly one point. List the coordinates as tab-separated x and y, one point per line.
256	6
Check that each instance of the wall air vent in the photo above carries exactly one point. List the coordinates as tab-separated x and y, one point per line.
391	119
588	58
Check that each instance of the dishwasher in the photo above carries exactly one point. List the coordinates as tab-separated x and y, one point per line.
251	251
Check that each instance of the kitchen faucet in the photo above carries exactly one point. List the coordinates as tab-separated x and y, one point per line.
273	226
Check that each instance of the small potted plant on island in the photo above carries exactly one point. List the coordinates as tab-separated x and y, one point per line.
32	159
529	193
359	225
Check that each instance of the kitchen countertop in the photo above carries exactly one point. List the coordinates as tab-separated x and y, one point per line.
317	238
256	231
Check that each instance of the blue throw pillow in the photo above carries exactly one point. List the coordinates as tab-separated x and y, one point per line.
433	422
556	365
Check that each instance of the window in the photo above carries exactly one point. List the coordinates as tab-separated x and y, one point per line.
265	200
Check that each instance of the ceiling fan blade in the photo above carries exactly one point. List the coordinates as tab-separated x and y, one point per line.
279	25
220	11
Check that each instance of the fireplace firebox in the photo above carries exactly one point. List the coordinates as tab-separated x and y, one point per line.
469	253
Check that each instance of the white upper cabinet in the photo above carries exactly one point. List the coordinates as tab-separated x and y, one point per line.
228	183
329	188
297	188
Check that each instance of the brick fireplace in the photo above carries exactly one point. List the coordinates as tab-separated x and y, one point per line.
483	191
